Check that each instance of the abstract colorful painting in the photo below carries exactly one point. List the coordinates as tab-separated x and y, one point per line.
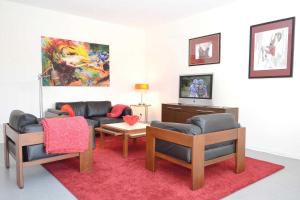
73	63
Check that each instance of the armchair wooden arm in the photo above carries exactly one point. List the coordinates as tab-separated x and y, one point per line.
197	143
26	139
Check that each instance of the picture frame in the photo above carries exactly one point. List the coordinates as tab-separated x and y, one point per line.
74	63
205	50
271	49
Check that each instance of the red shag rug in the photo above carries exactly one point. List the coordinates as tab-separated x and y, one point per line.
116	178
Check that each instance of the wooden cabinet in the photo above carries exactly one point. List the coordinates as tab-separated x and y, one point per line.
181	112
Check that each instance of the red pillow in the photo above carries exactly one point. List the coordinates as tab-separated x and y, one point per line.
116	111
67	108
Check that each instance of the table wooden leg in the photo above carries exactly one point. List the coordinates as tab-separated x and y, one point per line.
102	135
125	146
134	140
146	114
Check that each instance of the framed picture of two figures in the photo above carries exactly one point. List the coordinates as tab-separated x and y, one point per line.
270	54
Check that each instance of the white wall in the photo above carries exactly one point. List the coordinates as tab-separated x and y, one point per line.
20	54
269	108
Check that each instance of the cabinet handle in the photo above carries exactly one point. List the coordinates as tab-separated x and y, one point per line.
174	108
205	111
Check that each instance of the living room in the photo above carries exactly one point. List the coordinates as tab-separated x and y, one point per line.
152	45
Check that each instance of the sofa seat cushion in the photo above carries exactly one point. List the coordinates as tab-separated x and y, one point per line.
18	120
93	123
79	108
184	153
106	120
98	108
189	129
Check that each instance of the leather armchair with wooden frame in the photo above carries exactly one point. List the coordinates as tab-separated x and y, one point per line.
16	142
205	148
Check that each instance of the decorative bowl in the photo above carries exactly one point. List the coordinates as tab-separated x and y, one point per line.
131	119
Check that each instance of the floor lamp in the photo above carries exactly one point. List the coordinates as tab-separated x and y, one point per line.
54	77
40	78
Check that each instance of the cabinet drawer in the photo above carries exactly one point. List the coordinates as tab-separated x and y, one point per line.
181	112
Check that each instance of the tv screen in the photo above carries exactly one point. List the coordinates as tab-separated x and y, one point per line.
196	86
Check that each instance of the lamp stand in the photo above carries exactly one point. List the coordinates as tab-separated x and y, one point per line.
40	78
142	97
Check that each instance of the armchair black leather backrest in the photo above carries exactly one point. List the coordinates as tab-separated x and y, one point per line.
24	122
214	122
201	124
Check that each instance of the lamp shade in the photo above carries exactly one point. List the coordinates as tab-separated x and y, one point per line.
141	86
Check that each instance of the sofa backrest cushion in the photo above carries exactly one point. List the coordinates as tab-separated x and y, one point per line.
214	122
190	129
79	108
18	120
98	108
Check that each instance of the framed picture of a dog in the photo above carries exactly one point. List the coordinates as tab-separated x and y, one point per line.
205	50
271	49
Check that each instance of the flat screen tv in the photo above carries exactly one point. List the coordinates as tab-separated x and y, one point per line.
196	86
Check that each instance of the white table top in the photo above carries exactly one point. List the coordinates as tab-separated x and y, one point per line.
125	126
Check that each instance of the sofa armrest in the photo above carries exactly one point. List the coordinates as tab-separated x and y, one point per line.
55	113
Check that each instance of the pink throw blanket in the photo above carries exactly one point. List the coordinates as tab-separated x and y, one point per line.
66	135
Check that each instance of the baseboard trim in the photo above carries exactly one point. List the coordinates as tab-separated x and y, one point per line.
274	153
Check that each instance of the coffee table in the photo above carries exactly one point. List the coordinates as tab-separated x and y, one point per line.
123	129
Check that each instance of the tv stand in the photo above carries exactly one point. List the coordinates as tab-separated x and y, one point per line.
178	112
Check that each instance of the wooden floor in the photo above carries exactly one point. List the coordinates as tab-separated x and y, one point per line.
40	184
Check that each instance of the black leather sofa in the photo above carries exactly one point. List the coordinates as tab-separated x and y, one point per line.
94	112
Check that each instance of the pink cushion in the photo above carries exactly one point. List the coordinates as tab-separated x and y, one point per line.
67	108
116	111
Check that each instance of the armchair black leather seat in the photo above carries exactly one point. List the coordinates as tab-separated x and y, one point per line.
23	139
209	123
203	140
